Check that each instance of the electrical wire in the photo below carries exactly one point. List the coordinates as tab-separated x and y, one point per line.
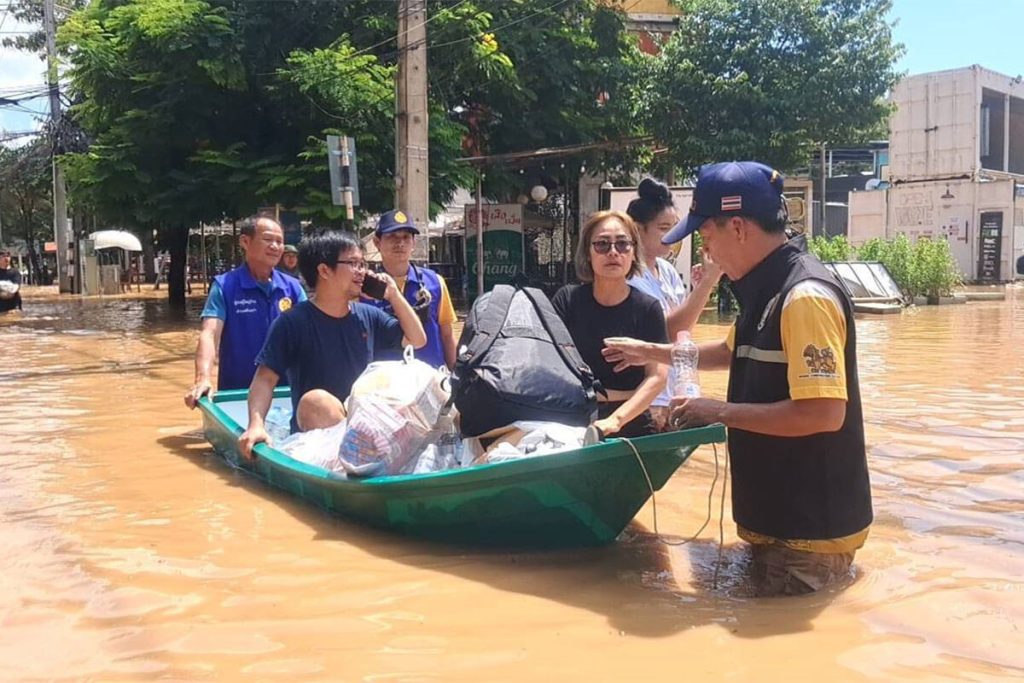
707	520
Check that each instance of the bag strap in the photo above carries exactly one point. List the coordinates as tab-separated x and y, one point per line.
559	334
489	324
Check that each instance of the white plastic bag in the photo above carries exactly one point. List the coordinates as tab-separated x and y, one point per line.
317	447
412	387
393	413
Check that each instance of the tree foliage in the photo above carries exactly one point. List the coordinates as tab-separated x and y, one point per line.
203	109
200	109
767	79
30	12
26	192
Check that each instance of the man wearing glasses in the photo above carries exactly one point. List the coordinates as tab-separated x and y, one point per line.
323	345
239	310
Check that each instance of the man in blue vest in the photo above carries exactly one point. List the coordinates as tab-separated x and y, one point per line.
801	494
425	290
239	309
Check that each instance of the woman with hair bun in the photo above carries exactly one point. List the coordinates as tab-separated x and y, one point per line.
655	214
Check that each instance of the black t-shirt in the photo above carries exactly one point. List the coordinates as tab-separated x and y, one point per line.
589	323
11	275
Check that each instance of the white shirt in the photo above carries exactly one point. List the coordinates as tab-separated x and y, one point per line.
668	288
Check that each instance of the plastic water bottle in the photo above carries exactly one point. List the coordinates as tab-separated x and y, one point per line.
684	366
449	447
278	423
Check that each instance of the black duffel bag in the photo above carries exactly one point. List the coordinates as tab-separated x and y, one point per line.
517	362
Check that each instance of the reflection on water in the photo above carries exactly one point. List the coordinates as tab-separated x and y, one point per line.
131	553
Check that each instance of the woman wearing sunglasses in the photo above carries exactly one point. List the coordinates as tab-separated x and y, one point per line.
608	254
655	214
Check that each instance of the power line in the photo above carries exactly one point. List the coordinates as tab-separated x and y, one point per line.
498	28
409	30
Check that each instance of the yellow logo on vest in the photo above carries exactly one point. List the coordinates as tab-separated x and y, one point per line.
400	217
820	362
284	304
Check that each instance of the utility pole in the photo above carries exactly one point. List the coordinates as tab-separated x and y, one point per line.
60	203
412	184
821	209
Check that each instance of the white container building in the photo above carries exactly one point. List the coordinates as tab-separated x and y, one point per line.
956	170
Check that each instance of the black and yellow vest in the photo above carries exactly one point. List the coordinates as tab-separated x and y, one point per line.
810	487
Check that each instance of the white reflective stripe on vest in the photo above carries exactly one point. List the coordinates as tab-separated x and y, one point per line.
763	355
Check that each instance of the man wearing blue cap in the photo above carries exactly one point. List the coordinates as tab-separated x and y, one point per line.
424	289
801	494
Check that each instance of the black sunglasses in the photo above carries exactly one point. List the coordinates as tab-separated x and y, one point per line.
604	246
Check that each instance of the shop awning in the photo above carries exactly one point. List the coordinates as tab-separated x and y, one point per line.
115	239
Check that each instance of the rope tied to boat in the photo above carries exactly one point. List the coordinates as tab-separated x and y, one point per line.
707	520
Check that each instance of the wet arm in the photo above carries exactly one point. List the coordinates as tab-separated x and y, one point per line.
412	328
683	317
206	349
448	344
786	418
261	395
639	401
714	356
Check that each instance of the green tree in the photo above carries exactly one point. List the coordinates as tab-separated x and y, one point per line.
26	191
30	12
769	79
566	74
199	109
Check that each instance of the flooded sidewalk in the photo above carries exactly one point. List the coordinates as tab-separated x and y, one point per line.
130	552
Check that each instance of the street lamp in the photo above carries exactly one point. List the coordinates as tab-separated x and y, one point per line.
538	193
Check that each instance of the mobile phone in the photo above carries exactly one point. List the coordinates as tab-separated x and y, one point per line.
374	286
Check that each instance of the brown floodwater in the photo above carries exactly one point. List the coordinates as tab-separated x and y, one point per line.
129	552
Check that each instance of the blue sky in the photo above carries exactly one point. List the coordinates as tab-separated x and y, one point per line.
946	34
938	34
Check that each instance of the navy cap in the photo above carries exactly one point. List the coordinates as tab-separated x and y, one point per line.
740	188
393	221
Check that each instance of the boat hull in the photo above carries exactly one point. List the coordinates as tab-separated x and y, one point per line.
585	496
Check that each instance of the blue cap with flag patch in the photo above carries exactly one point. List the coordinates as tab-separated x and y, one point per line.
395	220
740	188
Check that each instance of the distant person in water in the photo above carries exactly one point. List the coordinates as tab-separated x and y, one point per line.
10	283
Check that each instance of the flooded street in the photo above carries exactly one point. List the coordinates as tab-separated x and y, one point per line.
131	552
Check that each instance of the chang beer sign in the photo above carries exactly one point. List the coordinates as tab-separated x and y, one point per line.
503	244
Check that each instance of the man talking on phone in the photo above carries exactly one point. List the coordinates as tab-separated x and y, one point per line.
425	290
324	344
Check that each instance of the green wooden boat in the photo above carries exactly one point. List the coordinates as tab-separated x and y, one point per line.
581	497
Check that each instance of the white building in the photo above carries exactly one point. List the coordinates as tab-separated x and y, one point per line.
956	153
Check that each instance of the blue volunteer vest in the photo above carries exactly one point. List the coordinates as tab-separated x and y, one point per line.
433	353
247	317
